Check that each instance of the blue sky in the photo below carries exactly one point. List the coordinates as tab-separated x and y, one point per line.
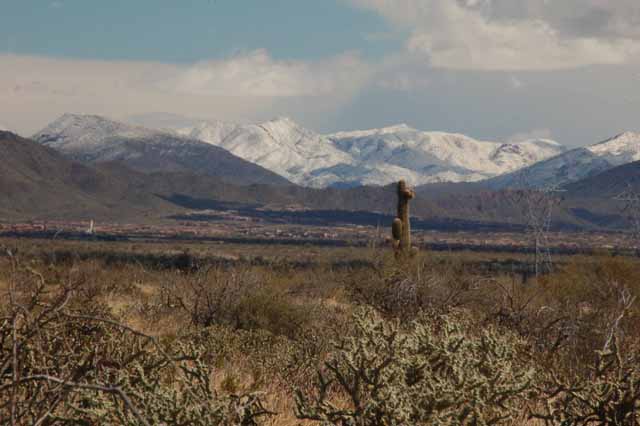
189	31
492	69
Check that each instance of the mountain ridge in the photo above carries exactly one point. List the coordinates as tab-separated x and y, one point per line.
346	158
95	139
574	165
292	153
39	182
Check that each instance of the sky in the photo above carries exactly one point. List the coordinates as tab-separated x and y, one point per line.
492	69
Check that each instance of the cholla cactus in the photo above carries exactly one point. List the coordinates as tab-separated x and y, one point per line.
65	365
401	227
609	397
419	376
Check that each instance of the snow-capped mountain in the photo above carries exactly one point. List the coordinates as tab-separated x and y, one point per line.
373	157
91	138
575	164
279	145
428	157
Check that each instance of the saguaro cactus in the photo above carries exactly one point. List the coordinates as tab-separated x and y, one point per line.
401	228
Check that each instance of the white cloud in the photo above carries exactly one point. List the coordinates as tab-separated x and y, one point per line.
257	74
512	35
35	90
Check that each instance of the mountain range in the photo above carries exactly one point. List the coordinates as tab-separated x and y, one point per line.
282	152
574	165
91	167
95	139
40	183
37	182
372	157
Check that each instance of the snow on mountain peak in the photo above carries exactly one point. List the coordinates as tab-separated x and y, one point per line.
375	156
627	136
624	139
621	149
284	127
439	156
280	145
77	131
69	120
577	163
95	139
396	128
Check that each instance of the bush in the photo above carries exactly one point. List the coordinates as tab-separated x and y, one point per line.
429	374
243	299
609	396
407	288
61	364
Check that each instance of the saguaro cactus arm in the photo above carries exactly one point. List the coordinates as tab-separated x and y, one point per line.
401	227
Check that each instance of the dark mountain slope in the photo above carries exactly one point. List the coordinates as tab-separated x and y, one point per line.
609	184
36	181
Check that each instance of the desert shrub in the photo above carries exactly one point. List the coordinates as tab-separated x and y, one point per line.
565	315
609	395
268	359
521	308
258	359
243	299
404	289
67	363
178	392
427	374
580	302
592	284
606	394
271	309
213	297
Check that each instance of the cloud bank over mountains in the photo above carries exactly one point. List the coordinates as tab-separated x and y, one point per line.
244	87
257	74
